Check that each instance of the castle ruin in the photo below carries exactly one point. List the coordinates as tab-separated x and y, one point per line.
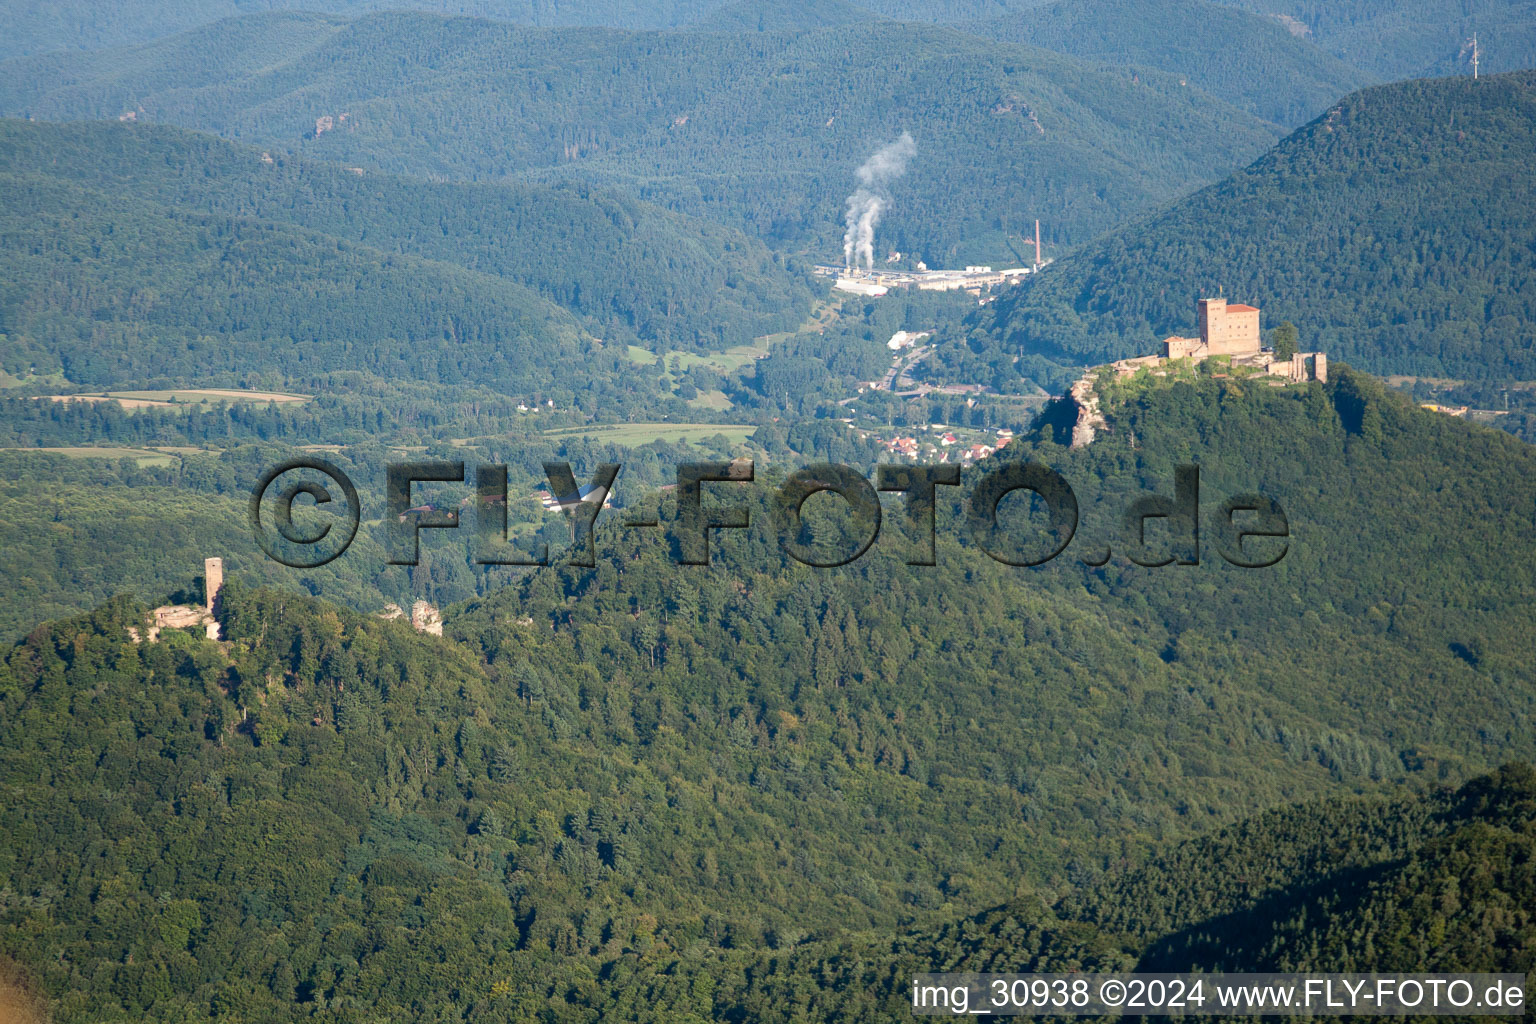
186	616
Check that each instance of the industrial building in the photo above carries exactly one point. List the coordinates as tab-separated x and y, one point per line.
874	283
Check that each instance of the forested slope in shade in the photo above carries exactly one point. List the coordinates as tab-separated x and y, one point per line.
112	290
1439	882
1243	58
1411	38
635	772
1445	882
763	130
1394	231
631	270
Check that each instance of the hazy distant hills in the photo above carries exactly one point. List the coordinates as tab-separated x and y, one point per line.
790	16
761	130
1412	38
81	25
1386	38
1394	231
1239	58
1243	58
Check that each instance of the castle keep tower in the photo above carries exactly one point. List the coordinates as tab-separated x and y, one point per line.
213	581
1233	331
1228	330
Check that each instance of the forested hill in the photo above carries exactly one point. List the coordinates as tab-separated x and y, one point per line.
109	289
1425	882
1442	882
606	779
1386	38
1240	57
75	25
82	25
1410	38
1244	58
630	270
763	130
1393	231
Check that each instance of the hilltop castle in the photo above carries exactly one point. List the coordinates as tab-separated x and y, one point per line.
1229	331
186	616
1233	330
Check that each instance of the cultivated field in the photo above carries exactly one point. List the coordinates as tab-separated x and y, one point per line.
145	456
181	396
634	434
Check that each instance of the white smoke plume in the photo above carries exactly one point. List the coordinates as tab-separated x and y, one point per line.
869	200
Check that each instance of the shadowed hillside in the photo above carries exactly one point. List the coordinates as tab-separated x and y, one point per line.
628	270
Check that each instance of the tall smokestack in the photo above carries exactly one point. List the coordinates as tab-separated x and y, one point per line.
1037	243
869	200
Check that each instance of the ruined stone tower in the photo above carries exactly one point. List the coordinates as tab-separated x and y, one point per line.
213	581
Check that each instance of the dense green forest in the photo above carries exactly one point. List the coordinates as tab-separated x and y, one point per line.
762	130
74	528
233	296
268	267
643	778
1392	232
525	232
629	269
1244	59
1412	38
1439	881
